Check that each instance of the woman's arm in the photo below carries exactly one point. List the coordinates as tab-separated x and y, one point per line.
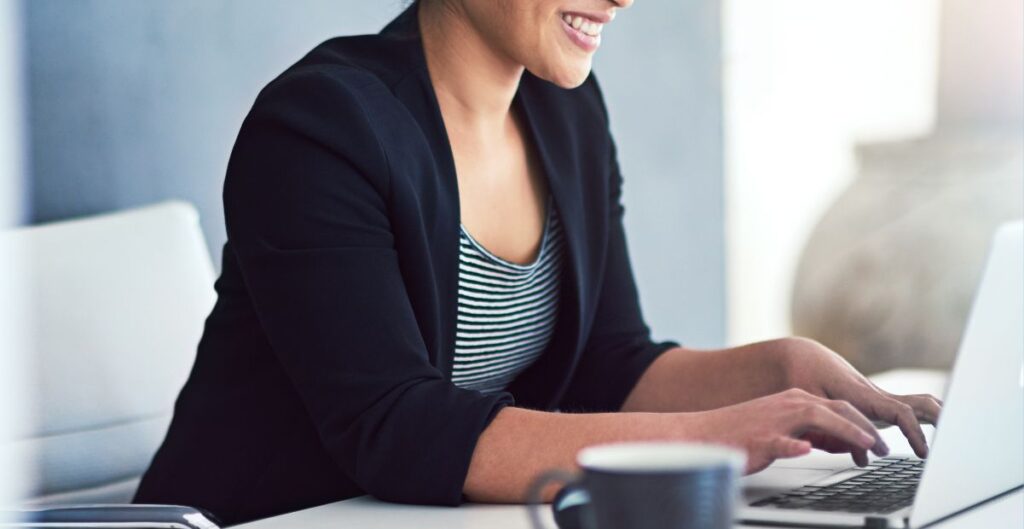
308	220
519	444
691	380
684	379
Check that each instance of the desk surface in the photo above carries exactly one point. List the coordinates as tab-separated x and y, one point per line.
367	513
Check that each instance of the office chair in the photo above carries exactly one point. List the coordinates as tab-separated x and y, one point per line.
116	308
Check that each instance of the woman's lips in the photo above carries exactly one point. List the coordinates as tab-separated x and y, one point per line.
582	31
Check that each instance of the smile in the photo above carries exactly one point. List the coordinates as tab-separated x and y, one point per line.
583	31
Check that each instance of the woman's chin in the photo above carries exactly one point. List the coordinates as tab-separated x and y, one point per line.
569	76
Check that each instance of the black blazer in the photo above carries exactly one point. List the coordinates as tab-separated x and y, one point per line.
324	369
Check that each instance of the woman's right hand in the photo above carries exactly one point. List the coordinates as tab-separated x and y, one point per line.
520	444
789	424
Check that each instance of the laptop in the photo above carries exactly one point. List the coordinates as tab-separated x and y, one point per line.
977	451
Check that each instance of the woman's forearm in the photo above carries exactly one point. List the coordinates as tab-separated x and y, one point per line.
693	380
739	397
520	444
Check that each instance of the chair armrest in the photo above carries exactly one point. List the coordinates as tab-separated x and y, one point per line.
108	517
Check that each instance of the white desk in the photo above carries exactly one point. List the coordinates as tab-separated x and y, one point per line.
367	513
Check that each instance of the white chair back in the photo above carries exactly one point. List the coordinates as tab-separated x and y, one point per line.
116	309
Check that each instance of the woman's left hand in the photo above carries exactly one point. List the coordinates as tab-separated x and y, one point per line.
818	370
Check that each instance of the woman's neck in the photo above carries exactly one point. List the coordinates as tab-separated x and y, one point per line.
475	83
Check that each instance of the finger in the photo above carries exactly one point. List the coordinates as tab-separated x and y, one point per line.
926	407
848	411
902	415
823	419
828	443
867	399
860	458
783	447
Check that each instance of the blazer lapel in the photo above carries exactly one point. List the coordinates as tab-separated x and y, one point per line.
438	187
553	138
552	142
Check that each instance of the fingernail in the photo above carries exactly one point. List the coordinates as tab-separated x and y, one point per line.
882	449
867	440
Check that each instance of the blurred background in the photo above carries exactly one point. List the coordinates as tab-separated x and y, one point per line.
821	167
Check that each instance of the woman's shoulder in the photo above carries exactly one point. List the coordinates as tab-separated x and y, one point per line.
367	98
339	96
367	70
353	68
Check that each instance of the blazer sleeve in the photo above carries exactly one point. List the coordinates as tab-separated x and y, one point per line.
619	347
305	207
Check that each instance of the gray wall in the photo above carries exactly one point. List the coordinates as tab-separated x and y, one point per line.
15	406
138	101
660	68
12	124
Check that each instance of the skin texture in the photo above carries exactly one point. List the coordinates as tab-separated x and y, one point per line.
477	51
773	399
730	381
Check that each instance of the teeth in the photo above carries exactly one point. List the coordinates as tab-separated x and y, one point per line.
584	25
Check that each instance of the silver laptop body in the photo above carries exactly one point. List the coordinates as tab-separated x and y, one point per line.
977	452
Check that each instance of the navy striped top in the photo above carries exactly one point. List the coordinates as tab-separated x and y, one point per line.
507	311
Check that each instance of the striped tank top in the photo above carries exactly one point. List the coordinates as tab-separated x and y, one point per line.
506	311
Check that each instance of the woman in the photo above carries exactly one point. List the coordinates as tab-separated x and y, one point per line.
424	225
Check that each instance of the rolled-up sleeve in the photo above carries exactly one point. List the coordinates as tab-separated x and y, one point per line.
306	211
619	347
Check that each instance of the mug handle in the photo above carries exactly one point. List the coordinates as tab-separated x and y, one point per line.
533	493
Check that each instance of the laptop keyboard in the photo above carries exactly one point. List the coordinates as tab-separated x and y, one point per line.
887	485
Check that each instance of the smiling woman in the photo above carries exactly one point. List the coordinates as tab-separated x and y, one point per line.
426	269
585	30
553	39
